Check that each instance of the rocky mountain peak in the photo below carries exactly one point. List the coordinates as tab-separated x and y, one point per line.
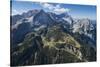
42	18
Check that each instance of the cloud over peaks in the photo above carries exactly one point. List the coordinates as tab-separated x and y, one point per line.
55	8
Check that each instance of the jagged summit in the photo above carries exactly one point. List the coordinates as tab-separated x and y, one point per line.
42	11
42	18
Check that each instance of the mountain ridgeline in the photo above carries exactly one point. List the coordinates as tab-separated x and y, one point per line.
39	37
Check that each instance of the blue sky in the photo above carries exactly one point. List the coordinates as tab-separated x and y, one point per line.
76	11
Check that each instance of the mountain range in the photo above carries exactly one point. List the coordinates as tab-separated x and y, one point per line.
40	37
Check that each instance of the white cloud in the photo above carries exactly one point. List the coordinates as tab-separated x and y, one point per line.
47	6
61	10
14	12
55	8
